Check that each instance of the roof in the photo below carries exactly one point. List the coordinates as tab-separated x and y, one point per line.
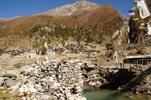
138	56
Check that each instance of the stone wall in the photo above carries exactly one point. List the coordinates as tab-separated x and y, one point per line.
55	80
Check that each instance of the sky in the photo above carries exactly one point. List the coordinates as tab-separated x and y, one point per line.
14	8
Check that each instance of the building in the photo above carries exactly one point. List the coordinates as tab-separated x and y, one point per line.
138	59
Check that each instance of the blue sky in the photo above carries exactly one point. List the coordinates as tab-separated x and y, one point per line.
13	8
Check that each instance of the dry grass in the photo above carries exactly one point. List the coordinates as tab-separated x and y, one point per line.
100	24
16	61
5	95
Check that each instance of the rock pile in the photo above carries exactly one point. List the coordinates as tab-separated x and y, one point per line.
55	80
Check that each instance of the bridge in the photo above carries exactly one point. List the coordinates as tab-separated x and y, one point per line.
140	59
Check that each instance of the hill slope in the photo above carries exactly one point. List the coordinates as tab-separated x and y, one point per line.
100	24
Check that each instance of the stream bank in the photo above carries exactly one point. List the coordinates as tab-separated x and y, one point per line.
105	94
134	78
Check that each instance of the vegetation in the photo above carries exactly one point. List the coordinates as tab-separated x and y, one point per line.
110	49
43	50
51	32
5	95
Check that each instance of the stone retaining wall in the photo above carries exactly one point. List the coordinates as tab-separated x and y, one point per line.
56	80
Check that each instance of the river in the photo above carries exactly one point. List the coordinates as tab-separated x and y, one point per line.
105	94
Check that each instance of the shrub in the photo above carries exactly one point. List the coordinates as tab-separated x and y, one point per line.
110	49
43	50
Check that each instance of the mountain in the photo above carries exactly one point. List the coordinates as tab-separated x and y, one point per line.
2	19
68	10
81	20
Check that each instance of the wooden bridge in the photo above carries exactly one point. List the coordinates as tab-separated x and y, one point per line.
140	59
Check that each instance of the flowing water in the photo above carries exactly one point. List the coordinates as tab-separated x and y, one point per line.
105	94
